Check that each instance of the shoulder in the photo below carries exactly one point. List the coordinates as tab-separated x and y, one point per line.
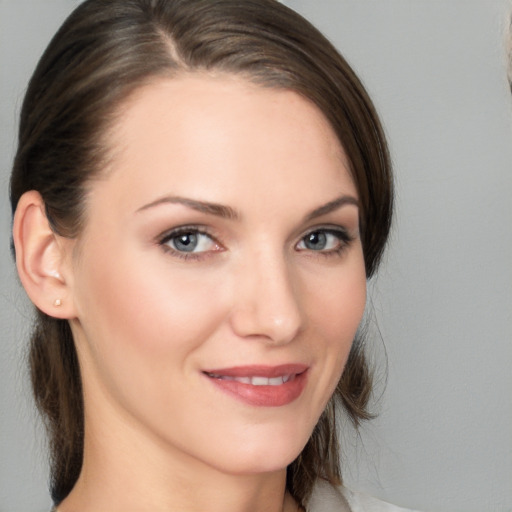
327	498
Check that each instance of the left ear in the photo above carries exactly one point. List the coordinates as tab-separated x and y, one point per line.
42	258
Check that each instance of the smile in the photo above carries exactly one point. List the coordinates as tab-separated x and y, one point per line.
261	386
256	380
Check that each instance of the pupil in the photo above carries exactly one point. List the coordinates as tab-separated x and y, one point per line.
186	242
316	241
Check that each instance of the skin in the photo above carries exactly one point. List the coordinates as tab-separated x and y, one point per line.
147	321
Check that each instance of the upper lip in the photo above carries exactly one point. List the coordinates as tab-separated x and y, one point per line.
259	370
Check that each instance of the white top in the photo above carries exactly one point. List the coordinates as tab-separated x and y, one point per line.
326	498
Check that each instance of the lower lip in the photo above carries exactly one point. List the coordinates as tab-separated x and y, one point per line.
263	396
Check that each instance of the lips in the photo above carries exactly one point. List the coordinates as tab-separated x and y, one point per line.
269	386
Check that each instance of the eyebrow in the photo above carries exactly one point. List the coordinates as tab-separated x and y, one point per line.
331	206
218	210
227	212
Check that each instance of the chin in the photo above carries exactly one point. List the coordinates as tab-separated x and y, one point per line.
271	454
258	463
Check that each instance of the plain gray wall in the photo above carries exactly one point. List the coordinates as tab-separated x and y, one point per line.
443	299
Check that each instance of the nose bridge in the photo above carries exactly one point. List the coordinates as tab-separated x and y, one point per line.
267	299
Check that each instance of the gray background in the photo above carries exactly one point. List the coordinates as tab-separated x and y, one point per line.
443	299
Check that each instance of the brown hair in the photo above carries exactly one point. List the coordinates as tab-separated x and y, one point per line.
104	51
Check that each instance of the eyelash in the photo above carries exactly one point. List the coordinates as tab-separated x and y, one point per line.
166	237
344	238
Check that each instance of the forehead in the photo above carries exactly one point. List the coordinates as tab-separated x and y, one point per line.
218	134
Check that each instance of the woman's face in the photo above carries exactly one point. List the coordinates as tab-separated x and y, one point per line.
219	280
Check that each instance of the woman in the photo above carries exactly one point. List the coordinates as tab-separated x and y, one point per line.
200	192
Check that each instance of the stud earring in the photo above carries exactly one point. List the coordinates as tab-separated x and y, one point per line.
57	303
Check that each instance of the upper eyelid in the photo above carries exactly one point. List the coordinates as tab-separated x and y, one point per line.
327	228
187	228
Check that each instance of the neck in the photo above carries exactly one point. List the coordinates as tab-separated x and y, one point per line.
126	471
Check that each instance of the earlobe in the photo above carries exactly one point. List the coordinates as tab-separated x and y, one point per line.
42	258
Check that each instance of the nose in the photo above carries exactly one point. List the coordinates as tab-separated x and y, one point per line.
266	301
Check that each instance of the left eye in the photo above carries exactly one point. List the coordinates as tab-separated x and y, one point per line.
322	240
190	242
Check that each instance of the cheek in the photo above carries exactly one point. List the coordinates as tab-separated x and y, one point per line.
338	300
159	305
336	305
343	316
141	322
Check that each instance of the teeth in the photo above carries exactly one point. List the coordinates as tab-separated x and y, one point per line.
255	381
263	381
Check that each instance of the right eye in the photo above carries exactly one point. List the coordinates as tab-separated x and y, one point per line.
189	241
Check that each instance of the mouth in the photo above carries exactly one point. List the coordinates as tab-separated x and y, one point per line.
261	385
256	380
